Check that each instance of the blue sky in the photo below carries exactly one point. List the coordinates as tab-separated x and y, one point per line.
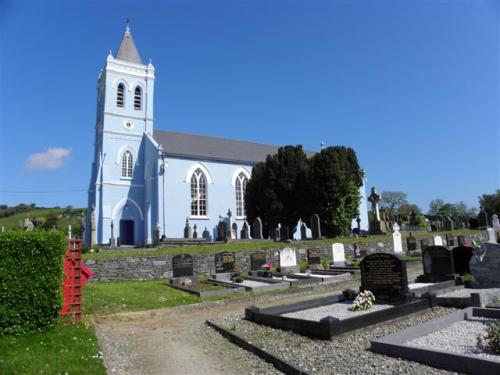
412	86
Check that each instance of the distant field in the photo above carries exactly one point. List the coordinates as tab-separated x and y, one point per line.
67	218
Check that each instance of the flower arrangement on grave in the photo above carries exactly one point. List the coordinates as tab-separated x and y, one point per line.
490	339
267	266
188	283
363	301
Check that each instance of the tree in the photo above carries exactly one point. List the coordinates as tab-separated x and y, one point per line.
392	200
435	206
334	181
490	203
275	191
405	210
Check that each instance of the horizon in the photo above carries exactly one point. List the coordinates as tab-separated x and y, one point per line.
413	88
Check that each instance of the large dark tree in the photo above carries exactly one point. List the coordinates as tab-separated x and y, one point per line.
334	182
276	188
491	203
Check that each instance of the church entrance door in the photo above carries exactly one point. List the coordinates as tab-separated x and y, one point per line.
126	232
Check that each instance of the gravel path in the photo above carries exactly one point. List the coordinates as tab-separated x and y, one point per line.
465	292
459	337
345	354
337	310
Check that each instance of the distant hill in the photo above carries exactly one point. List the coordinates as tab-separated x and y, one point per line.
42	218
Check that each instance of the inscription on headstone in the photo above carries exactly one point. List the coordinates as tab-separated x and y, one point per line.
287	258
182	265
224	262
385	276
313	256
257	260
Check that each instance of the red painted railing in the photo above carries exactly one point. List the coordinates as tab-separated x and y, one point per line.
76	275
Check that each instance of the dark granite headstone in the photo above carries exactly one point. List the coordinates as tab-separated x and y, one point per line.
224	262
195	231
257	260
257	229
272	234
182	265
314	256
384	275
206	234
485	264
284	233
461	240
303	231
438	264
424	244
482	218
245	231
315	227
411	243
221	231
362	249
187	230
450	240
461	258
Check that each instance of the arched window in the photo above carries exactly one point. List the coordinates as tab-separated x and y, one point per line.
241	186
127	161
198	194
137	98
120	95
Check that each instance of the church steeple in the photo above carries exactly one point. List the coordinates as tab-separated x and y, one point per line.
128	50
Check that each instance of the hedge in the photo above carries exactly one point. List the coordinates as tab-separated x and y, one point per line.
31	273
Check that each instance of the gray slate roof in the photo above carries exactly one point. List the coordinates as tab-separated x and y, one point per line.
199	146
128	50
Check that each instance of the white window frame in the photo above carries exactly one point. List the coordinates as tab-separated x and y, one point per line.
240	188
199	194
127	165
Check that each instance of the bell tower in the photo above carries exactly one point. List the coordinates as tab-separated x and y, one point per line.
124	116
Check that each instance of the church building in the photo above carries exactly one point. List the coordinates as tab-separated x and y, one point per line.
145	180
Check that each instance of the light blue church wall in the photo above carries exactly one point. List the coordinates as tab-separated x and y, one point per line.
175	201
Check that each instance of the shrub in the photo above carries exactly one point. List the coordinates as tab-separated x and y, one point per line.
490	341
31	272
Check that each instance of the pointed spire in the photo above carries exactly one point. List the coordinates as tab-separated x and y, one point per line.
128	50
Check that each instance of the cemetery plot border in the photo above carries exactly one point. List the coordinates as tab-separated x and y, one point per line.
267	285
176	283
351	269
394	345
329	326
466	297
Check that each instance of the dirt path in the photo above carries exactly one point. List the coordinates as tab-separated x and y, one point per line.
171	341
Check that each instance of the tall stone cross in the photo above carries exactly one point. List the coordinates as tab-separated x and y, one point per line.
374	198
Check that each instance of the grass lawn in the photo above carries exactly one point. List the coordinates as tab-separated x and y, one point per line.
63	349
12	222
254	245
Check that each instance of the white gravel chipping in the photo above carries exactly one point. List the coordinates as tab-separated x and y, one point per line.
467	292
337	310
251	283
459	337
313	275
415	286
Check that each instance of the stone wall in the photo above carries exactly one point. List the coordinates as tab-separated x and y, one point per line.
154	267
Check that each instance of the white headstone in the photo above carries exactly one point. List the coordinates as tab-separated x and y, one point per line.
495	221
338	255
491	235
438	241
396	239
296	234
288	258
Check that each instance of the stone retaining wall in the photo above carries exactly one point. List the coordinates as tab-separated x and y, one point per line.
154	267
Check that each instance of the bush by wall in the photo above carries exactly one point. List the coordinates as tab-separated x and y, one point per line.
31	272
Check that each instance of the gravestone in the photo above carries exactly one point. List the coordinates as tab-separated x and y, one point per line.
438	241
221	230
485	264
315	227
396	239
284	235
338	255
303	232
450	240
495	222
482	218
257	260
314	257
437	263
257	229
363	249
182	265
288	260
385	276
461	240
224	262
461	259
187	230
272	234
491	235
206	234
28	225
234	231
232	227
245	231
195	232
411	243
296	233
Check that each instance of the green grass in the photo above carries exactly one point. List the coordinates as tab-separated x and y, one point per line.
12	222
107	297
253	246
63	349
